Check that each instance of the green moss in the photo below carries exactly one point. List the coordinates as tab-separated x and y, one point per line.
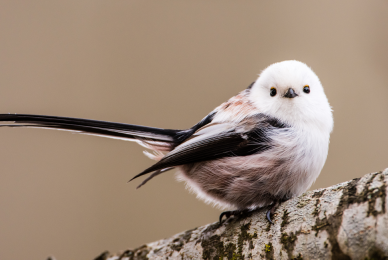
268	228
244	236
285	218
317	195
302	203
288	242
215	248
299	257
180	241
316	210
230	252
320	225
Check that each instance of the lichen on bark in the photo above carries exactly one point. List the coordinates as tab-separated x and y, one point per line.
346	221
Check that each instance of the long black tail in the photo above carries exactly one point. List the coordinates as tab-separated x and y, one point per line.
166	138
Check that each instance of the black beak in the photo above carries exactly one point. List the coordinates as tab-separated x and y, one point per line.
290	93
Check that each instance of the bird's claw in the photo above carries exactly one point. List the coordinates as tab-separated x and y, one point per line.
227	214
272	210
269	216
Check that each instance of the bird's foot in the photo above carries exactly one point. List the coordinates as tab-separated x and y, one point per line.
230	213
272	210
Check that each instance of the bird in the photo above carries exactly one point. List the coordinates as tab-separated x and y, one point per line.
258	149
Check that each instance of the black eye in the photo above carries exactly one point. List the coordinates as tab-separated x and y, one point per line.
306	89
272	92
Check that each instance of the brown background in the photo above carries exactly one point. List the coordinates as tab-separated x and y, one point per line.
164	64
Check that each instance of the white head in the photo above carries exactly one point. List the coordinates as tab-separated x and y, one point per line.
292	92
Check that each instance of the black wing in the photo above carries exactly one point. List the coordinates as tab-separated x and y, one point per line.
218	140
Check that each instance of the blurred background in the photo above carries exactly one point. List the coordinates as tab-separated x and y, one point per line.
164	64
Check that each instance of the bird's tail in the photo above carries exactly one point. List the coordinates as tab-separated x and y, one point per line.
157	139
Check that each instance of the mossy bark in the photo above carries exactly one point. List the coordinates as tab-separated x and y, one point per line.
345	221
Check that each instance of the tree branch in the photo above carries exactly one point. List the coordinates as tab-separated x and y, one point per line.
345	221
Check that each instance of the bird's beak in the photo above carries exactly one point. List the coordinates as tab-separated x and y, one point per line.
290	93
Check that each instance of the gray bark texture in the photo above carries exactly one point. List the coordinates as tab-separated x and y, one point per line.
345	221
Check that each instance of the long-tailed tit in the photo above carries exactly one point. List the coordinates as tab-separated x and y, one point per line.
261	147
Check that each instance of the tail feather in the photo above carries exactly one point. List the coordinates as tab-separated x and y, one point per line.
154	138
157	139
